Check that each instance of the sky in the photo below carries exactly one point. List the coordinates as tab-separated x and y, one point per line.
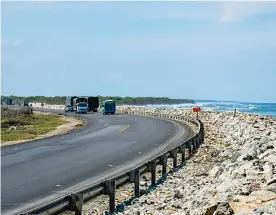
197	50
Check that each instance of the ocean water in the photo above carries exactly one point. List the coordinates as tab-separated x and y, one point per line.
266	109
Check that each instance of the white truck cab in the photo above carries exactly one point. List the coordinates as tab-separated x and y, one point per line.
82	107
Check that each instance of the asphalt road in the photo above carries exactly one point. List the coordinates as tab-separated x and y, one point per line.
40	170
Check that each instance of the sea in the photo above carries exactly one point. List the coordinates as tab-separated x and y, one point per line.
266	109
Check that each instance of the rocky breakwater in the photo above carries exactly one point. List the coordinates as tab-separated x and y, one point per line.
234	171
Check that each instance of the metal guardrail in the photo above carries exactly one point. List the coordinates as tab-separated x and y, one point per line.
74	201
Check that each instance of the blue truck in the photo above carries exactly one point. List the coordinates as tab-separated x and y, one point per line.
109	106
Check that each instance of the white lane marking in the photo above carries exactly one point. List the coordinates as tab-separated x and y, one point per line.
109	165
139	152
58	185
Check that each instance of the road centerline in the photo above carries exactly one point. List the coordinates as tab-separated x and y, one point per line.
123	129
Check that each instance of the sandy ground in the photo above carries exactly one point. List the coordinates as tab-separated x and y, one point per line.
71	125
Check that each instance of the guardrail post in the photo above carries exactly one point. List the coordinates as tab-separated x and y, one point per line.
109	189
198	141
174	157
182	151
135	178
189	147
201	136
152	169
194	143
201	132
76	203
164	164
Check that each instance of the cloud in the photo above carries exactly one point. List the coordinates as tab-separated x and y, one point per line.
193	11
238	11
200	11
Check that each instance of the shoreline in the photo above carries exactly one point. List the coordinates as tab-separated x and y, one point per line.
237	162
61	129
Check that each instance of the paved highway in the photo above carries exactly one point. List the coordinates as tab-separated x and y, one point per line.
40	170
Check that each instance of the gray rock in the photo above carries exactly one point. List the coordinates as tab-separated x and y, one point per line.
223	208
272	181
178	194
258	211
247	156
177	205
270	187
214	172
246	190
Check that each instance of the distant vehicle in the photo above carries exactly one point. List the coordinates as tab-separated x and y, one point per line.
26	102
69	108
82	107
69	100
109	106
9	102
76	101
93	103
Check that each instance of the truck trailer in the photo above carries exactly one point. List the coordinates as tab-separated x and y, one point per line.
9	101
26	102
69	100
93	103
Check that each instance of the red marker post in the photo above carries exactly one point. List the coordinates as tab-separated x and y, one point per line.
196	110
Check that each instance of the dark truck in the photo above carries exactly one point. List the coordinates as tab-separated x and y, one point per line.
9	101
26	102
69	103
93	103
69	100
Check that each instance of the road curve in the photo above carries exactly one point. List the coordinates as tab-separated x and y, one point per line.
40	170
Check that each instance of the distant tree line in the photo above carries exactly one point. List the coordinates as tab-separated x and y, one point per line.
119	100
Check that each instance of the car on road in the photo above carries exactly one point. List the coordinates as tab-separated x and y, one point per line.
68	108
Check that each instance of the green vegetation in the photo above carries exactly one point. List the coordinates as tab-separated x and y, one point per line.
28	125
117	99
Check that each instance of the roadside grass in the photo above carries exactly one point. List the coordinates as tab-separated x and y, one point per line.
28	125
